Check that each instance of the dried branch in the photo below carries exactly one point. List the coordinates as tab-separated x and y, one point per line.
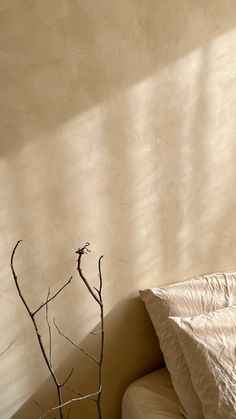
81	251
74	392
16	279
38	335
9	346
49	330
67	378
74	344
96	333
87	396
31	314
97	295
52	298
102	337
100	275
78	394
43	410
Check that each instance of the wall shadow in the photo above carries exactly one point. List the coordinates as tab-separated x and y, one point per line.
60	61
126	327
57	65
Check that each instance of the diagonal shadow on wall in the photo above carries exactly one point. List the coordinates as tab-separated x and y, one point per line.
118	345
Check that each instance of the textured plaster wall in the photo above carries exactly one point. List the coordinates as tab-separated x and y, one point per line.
117	126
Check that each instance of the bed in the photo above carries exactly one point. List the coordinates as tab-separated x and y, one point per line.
151	397
195	321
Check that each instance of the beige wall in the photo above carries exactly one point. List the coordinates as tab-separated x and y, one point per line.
117	127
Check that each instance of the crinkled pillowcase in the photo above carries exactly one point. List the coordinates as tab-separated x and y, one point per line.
208	342
186	299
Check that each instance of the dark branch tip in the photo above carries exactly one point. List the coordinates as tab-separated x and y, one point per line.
14	250
83	250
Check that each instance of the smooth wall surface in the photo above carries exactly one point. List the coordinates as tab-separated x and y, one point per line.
117	126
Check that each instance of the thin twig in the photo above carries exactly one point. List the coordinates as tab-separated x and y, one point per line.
74	344
16	279
39	338
96	333
100	274
102	337
52	298
77	393
8	347
98	297
68	377
80	252
96	396
43	410
70	401
49	330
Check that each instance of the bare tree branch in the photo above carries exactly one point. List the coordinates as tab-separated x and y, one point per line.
49	330
9	346
98	298
16	279
102	337
78	394
52	298
97	332
97	295
74	344
43	410
68	377
80	252
100	274
38	335
71	401
74	392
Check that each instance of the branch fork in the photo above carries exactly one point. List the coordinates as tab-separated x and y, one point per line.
96	293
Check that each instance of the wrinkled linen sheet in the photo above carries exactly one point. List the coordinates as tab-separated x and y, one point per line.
186	299
209	345
151	397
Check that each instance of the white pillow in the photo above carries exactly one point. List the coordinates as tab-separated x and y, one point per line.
209	345
186	299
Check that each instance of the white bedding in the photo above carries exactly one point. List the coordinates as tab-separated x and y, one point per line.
151	397
208	342
186	299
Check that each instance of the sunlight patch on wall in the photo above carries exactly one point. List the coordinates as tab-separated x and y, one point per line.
146	175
